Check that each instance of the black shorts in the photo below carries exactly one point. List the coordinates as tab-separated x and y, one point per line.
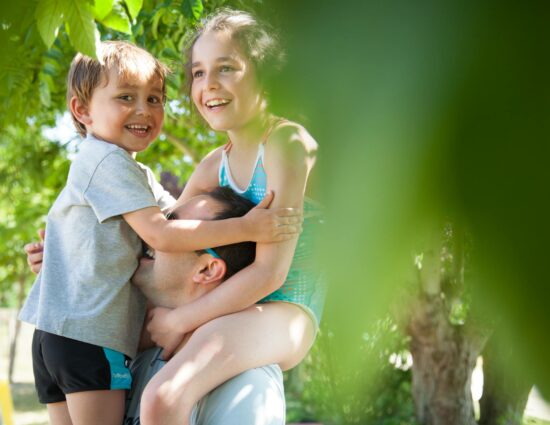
63	366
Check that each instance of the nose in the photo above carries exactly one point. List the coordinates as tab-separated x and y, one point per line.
143	108
212	82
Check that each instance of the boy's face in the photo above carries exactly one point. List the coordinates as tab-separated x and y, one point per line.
126	112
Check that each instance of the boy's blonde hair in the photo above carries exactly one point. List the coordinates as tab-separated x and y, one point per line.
125	58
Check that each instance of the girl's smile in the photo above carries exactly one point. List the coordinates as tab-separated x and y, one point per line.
224	87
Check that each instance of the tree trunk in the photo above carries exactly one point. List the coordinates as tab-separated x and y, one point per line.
505	392
444	356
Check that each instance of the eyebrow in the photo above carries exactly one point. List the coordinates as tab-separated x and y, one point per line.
220	59
135	87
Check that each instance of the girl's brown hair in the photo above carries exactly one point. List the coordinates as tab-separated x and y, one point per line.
259	42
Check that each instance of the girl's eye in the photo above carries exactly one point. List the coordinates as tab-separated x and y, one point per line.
197	74
126	97
226	68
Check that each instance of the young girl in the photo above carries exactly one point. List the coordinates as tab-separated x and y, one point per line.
269	312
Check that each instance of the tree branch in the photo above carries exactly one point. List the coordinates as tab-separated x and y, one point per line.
183	145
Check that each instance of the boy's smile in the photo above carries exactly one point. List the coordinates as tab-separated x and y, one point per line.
125	111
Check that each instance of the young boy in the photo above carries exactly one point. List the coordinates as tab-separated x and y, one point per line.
87	316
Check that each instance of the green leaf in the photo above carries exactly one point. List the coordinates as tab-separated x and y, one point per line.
49	17
118	20
82	29
102	8
192	9
134	6
44	89
155	22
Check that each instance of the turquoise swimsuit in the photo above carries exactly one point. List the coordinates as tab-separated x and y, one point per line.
304	284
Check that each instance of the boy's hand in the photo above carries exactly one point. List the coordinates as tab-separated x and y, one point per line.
163	331
35	252
272	225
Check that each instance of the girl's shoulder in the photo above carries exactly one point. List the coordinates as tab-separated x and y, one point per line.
291	140
205	175
212	159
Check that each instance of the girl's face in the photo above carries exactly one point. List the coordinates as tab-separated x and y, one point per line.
224	87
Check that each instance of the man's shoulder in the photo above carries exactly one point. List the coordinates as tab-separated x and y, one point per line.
235	402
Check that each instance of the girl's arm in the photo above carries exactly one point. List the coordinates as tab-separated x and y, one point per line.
260	224
290	156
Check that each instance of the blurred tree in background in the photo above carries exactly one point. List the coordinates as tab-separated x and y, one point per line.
432	119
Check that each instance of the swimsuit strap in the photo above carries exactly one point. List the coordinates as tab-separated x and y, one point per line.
276	123
227	146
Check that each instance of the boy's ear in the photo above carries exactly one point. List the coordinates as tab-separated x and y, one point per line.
80	111
213	271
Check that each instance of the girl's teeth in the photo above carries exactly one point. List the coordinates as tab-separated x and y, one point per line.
217	102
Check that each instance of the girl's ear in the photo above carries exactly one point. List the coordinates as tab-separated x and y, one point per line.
213	271
80	111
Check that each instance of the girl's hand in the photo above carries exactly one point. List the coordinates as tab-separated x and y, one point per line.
35	252
163	332
272	225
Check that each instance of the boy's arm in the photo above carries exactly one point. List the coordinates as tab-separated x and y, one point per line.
260	225
289	159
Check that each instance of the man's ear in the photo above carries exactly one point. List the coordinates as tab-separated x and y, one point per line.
80	111
212	271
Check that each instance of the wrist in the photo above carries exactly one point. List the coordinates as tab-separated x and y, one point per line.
244	229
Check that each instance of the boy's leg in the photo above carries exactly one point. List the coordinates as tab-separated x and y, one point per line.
92	379
263	334
104	407
59	413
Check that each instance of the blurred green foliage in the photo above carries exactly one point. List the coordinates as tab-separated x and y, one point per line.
428	112
315	391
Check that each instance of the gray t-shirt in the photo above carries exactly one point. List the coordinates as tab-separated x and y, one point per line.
256	396
83	290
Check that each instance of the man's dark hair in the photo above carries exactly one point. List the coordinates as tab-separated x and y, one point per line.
238	255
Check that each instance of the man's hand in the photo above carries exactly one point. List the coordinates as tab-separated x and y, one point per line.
164	331
35	252
272	225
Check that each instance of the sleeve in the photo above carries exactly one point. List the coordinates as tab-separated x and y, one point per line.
163	197
142	368
118	186
254	396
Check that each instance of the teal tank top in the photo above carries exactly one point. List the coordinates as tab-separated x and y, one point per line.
304	284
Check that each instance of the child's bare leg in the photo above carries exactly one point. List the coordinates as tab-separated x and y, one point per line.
105	407
59	413
263	334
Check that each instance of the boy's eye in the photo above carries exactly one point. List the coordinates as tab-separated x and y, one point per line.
126	97
154	100
198	74
226	68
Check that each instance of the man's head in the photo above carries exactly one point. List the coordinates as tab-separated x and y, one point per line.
118	97
172	279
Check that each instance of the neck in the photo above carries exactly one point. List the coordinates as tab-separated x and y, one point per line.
252	132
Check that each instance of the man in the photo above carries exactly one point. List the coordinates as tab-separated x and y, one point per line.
172	279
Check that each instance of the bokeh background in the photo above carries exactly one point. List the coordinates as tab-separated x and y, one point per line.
432	121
